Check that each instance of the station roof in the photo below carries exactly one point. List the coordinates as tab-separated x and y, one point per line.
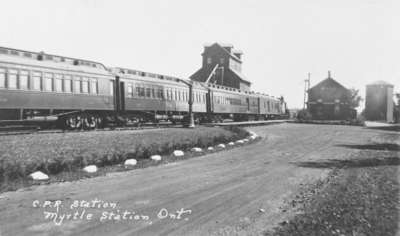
381	82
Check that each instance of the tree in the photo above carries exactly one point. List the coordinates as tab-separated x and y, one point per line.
355	98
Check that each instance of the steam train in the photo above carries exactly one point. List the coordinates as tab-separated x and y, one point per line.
82	94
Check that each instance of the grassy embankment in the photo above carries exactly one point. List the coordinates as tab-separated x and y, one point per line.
359	198
64	153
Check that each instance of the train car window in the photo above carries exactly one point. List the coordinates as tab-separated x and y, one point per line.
148	92
2	78
12	79
137	91
111	84
58	83
23	79
48	82
142	92
94	89
85	85
37	81
67	84
77	85
130	91
160	94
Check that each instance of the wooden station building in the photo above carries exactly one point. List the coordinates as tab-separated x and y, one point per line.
329	100
222	65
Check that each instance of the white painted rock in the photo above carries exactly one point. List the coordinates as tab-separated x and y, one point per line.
210	149
178	153
221	145
38	175
90	169
252	133
240	142
130	162
196	149
156	158
231	143
245	140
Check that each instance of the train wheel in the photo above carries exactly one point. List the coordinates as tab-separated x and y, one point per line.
79	122
99	122
89	122
70	123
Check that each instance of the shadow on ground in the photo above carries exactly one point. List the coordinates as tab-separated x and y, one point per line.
387	128
374	146
350	163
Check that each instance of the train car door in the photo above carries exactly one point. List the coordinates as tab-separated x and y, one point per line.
248	104
209	103
122	96
119	95
258	105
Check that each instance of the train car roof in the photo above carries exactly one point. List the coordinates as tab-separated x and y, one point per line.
136	74
41	59
148	76
221	88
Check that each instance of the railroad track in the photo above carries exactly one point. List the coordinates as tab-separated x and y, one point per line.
27	130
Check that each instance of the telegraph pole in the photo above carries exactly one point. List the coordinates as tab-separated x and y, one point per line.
306	88
190	102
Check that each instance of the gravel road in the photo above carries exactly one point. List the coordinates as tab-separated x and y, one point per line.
240	191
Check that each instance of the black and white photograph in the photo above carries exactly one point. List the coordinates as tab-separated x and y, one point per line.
220	118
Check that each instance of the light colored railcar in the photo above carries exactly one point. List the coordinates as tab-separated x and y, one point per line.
230	103
271	107
38	84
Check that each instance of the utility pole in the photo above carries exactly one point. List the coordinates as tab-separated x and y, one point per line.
190	102
306	88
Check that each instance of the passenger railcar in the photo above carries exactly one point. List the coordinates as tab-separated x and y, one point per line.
152	97
82	94
38	84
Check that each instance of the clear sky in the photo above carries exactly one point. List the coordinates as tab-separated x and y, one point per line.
358	40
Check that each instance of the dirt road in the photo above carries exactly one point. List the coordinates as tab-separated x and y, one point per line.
239	191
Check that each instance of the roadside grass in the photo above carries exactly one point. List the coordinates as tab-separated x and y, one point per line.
359	198
354	122
64	155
